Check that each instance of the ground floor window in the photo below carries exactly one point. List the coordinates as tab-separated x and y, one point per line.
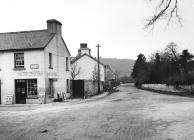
32	87
67	85
51	88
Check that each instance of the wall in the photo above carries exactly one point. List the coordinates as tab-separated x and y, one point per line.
58	72
91	88
87	66
164	87
8	74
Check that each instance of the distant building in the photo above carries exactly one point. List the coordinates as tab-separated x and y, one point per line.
34	65
84	68
109	74
87	64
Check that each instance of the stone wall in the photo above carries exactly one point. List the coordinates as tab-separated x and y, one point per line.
91	88
164	87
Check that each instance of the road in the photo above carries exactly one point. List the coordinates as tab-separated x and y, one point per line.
130	114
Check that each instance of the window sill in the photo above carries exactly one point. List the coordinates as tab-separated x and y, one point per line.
32	97
19	68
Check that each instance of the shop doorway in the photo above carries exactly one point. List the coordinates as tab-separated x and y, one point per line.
21	91
25	88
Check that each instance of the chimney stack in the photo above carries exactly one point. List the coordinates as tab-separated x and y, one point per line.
84	49
54	26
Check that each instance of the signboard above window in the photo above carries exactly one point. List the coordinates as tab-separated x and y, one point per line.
34	66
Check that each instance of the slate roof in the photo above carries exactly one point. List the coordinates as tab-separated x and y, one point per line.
25	40
80	56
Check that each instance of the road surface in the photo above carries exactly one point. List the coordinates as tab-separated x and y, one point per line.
130	114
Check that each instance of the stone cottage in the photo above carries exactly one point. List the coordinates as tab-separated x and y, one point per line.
34	65
84	68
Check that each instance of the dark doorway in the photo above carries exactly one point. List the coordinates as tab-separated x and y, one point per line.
21	91
78	88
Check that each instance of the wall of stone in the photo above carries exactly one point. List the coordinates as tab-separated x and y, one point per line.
91	88
164	87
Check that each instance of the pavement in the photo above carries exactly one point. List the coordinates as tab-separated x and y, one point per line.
130	114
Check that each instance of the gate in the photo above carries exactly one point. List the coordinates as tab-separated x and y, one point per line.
78	88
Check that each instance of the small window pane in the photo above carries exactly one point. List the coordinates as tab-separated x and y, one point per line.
19	60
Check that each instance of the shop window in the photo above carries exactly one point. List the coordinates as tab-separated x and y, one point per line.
19	60
32	87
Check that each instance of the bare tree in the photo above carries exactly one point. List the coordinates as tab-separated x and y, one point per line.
95	74
75	71
164	9
171	51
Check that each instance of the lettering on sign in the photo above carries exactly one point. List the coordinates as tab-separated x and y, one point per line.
30	73
34	66
51	74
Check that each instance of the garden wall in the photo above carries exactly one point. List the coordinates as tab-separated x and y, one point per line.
164	87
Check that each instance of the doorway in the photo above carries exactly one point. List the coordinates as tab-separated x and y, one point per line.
21	91
78	88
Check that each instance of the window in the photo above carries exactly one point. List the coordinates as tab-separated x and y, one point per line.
67	64
19	60
50	61
32	87
51	89
68	86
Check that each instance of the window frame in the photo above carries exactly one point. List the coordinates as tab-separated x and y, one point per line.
50	61
51	88
67	64
67	86
16	61
36	88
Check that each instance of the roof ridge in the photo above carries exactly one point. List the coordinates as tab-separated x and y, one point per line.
23	31
79	56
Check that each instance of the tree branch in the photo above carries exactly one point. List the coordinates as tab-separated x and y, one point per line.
165	8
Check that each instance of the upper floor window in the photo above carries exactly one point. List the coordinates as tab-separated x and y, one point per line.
50	60
19	60
67	64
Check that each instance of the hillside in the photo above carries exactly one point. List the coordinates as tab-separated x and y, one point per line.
122	66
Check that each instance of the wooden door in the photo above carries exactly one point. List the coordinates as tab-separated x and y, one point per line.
20	91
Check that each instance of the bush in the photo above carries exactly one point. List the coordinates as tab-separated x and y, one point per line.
180	79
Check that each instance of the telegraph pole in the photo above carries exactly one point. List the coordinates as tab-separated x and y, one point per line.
98	46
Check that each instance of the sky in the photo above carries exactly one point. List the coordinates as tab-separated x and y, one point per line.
117	25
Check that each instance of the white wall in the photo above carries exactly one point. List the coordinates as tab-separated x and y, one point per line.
8	74
59	54
40	58
87	65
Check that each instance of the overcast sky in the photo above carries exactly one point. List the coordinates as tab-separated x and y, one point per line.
115	24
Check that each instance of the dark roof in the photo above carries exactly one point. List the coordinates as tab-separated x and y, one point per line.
80	56
25	40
